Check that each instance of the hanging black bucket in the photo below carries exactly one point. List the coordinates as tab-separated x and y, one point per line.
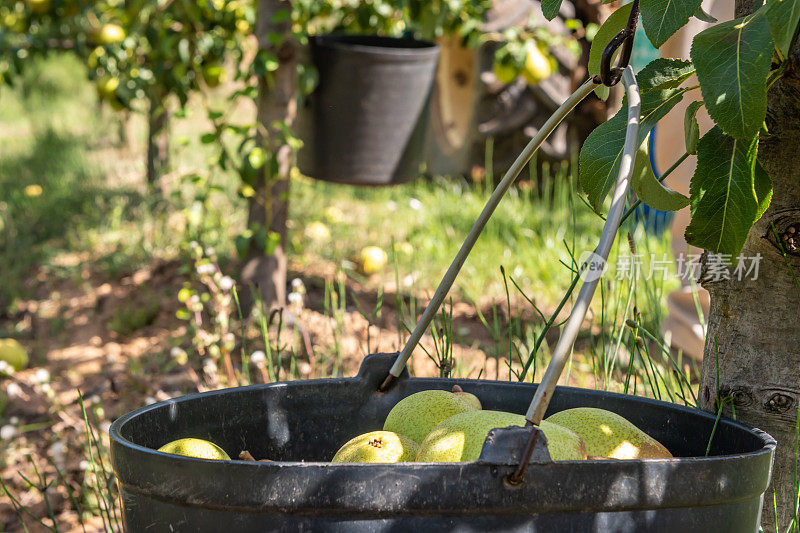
365	123
300	424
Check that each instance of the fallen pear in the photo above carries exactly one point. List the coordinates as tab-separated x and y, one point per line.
460	438
197	448
377	447
416	415
609	435
13	354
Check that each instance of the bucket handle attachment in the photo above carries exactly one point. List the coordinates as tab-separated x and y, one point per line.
455	267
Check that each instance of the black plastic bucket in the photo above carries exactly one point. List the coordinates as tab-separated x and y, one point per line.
300	425
366	121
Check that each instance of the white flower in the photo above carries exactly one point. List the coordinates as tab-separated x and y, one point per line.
210	251
415	204
84	465
14	420
297	283
5	368
205	269
258	358
150	400
41	376
193	244
13	389
295	298
7	432
58	451
176	351
209	366
94	398
226	283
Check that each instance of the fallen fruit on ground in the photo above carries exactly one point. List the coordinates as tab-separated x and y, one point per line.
377	447
13	353
460	438
607	434
197	448
416	415
372	260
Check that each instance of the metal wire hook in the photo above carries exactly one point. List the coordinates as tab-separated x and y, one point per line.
610	76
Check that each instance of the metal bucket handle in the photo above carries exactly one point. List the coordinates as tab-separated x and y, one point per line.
544	391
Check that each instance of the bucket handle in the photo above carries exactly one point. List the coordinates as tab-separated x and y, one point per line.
544	392
455	267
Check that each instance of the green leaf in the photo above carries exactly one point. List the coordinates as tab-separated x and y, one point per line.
610	28
701	14
662	18
208	138
782	17
723	193
602	152
763	187
664	73
603	92
649	190
733	60
691	129
550	8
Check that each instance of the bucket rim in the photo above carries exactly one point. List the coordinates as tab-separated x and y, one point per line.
769	444
377	45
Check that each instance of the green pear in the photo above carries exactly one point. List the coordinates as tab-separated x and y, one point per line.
471	399
13	353
416	415
377	447
460	437
607	434
198	448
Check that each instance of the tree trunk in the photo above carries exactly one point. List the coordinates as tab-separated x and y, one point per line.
753	331
265	270
157	138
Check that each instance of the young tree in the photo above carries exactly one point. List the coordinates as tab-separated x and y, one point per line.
265	259
146	55
744	200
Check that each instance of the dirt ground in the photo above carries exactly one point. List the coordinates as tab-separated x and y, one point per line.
68	328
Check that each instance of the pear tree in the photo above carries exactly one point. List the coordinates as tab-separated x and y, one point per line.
744	201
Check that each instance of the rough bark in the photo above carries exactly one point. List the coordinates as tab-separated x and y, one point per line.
157	139
753	332
269	207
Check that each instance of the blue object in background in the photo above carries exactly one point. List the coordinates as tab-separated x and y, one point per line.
655	221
